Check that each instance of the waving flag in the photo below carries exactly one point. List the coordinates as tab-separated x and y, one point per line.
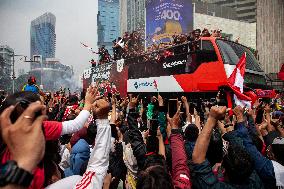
90	48
236	83
281	73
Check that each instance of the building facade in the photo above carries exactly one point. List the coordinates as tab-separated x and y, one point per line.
202	7
123	16
233	29
6	64
246	9
270	35
132	16
135	15
108	22
43	37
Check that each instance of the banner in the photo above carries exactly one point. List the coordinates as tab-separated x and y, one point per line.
265	93
165	18
109	71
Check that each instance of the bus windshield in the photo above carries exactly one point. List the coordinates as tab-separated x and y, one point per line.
231	53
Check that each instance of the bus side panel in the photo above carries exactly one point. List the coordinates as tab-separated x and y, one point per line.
119	79
208	77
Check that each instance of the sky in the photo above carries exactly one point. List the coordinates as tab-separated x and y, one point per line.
76	21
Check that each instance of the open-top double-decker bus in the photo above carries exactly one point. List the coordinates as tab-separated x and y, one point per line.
204	70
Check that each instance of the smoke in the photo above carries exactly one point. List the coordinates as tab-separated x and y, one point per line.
53	80
67	82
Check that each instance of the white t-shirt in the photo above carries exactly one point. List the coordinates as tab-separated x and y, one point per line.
279	174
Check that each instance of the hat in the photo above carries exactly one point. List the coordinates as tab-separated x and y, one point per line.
278	140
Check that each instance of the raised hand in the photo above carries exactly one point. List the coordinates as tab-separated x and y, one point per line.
25	138
113	100
250	112
217	113
175	120
267	109
160	100
101	108
184	99
133	102
239	112
159	134
91	95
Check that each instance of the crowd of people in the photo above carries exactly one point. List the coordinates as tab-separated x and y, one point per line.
102	140
131	46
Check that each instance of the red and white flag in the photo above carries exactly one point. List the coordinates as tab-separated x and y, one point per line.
90	48
236	83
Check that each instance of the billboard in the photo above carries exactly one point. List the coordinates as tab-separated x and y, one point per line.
164	18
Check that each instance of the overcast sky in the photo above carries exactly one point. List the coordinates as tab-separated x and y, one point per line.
75	22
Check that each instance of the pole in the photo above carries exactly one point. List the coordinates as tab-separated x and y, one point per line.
13	74
40	72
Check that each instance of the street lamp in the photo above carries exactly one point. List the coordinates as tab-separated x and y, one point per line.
38	58
13	67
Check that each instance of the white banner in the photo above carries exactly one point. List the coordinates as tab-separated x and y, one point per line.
164	83
119	65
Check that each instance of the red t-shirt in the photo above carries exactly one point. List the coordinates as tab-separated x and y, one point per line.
52	131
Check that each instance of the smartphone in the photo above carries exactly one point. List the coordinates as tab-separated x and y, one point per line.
259	116
118	97
182	108
154	124
109	96
192	106
172	107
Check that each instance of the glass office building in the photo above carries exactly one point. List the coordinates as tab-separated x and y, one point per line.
43	37
108	23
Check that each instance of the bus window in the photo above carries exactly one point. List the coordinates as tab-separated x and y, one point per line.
232	52
252	63
207	53
228	54
198	57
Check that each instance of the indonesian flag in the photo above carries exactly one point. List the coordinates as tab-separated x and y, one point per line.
236	83
90	48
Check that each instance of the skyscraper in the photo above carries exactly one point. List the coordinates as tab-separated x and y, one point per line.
132	16
135	15
43	37
7	54
108	23
123	16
